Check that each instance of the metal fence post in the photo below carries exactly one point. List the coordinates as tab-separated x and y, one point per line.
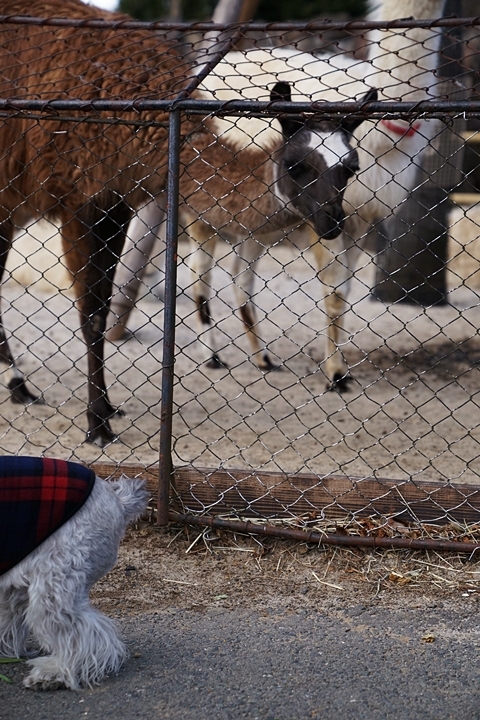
165	460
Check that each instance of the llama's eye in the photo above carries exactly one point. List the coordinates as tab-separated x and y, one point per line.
349	170
297	170
351	164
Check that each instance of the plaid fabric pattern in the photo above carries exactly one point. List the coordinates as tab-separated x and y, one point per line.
37	496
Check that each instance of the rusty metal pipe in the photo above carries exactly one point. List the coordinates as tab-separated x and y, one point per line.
313	536
207	26
374	109
169	320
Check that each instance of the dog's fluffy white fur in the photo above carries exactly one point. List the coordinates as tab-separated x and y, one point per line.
47	594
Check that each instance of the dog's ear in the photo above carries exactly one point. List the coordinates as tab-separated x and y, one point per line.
133	495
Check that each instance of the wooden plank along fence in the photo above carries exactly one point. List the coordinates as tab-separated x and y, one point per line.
278	495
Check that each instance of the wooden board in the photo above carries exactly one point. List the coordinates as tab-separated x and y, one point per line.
276	495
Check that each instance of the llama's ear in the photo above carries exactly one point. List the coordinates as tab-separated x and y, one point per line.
281	91
351	124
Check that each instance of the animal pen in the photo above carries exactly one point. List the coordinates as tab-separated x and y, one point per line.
387	440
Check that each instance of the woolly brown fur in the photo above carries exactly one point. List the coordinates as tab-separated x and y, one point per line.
64	164
210	172
88	177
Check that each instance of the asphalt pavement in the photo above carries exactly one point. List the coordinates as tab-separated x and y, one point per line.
352	662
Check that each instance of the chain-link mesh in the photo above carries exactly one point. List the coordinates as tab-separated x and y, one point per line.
312	377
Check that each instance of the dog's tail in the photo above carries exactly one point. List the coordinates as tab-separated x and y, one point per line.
133	495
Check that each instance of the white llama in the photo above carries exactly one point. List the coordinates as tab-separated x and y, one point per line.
401	66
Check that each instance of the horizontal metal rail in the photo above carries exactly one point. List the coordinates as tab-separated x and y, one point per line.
96	119
313	26
311	536
379	110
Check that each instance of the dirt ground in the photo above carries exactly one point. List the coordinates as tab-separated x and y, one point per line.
412	411
190	570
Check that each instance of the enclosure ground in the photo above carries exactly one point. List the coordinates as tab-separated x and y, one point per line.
410	413
186	569
276	631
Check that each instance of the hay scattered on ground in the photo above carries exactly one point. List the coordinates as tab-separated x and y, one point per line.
187	568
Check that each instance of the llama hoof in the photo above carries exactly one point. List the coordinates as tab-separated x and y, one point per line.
112	411
101	437
216	364
20	395
340	383
266	365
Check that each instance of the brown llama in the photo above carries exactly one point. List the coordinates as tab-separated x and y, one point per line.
85	176
88	177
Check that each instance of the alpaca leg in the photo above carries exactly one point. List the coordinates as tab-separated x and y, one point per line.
94	240
201	262
141	237
15	379
246	256
333	263
13	628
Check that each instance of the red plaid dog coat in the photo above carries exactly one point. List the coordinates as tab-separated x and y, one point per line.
37	496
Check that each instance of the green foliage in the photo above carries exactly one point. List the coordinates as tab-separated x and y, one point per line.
6	661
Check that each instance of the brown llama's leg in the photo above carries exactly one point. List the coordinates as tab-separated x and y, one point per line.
15	379
201	261
246	255
141	237
94	240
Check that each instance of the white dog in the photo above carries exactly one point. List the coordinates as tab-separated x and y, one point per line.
46	592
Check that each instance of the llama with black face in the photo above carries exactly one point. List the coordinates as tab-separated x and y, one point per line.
252	196
400	66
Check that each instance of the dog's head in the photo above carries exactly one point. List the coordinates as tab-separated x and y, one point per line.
133	495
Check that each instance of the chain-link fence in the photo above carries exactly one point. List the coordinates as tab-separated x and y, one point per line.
268	373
